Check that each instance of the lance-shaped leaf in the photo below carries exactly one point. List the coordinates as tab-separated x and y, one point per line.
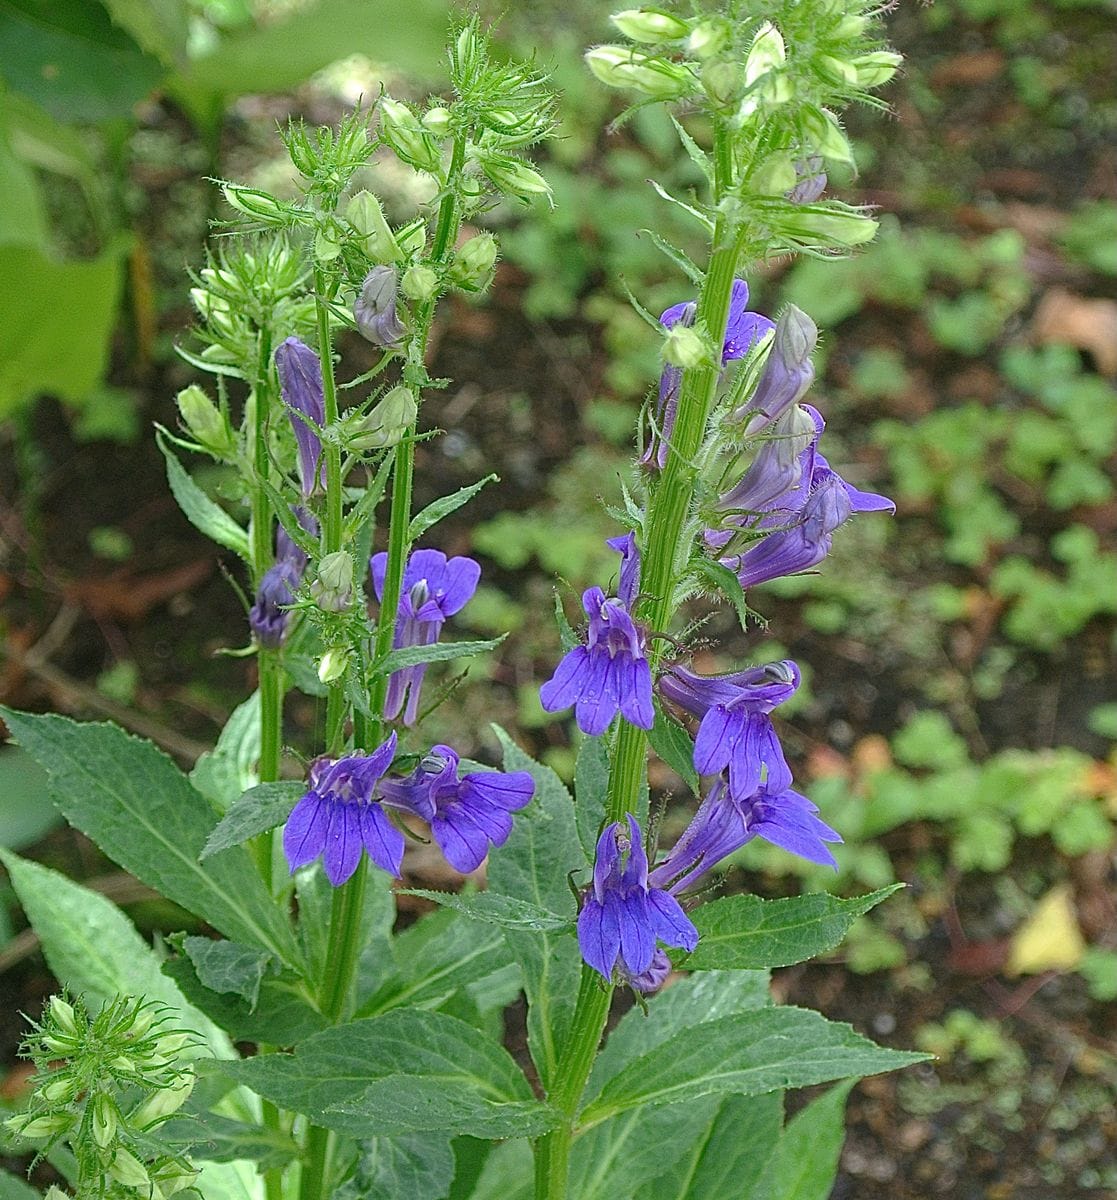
444	506
260	808
412	656
203	513
492	909
804	1161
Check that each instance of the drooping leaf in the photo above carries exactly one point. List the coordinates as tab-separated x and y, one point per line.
805	1159
444	506
746	932
726	582
206	515
412	656
142	811
403	1072
419	1165
493	909
260	808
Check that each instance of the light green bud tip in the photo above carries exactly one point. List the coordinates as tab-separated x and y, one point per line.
473	265
617	66
39	1127
419	283
407	136
822	132
165	1101
387	423
366	217
333	589
127	1169
873	70
333	664
260	206
437	121
61	1012
685	347
642	25
707	39
766	53
104	1120
514	177
205	423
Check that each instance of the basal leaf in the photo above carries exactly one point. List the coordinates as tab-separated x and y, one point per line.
203	513
260	808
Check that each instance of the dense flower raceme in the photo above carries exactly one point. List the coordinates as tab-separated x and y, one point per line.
342	813
434	588
743	331
623	916
300	381
611	673
268	617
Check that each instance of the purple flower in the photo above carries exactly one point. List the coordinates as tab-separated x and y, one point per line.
434	589
629	586
622	917
736	730
340	816
467	815
812	181
788	372
268	616
743	330
286	548
300	380
723	824
375	308
774	475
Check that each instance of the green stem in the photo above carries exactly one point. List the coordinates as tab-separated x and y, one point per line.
331	450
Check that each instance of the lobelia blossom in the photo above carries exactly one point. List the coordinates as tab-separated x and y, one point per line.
743	331
776	471
374	310
736	730
434	588
300	381
611	673
623	916
268	618
787	375
812	181
340	817
467	814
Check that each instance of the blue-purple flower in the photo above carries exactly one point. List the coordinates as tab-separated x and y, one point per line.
300	381
788	372
340	817
375	308
434	588
268	617
623	917
467	814
743	331
736	731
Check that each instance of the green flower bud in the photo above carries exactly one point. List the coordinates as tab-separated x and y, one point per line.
851	26
617	66
171	1179
514	177
260	206
406	135
875	69
127	1169
333	589
413	237
836	71
707	39
774	177
473	264
824	135
62	1014
722	81
64	1047
333	664
419	283
39	1127
205	423
104	1120
642	25
59	1090
366	216
166	1100
326	244
387	423
685	347
54	1192
834	227
437	120
766	53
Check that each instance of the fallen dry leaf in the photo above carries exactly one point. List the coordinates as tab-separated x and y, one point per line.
1065	319
128	598
1049	940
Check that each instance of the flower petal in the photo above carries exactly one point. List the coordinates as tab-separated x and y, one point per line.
598	703
343	842
598	936
635	923
717	736
672	925
304	835
635	690
565	686
380	838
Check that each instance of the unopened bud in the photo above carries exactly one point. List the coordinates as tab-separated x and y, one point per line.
419	283
375	309
260	206
387	423
412	237
39	1127
766	53
722	81
333	664
62	1046
127	1169
473	265
685	347
707	39
873	70
207	426
165	1101
438	121
406	135
824	135
853	25
775	176
367	217
59	1090
326	244
617	66
333	589
170	1180
642	25
838	72
104	1120
54	1192
513	176
62	1013
834	226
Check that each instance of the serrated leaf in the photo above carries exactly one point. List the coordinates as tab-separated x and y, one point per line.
359	518
591	790
726	582
568	639
694	152
672	743
203	513
402	1072
805	1159
492	909
745	1054
129	798
689	209
260	808
412	656
221	1139
681	260
746	932
419	1165
224	966
443	507
229	769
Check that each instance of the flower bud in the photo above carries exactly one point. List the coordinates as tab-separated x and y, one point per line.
326	244
39	1127
774	177
333	664
375	309
333	589
821	130
851	26
172	1179
811	181
873	70
643	26
766	53
617	66
260	206
367	217
104	1120
127	1169
62	1046
685	347
59	1090
54	1192
722	81
164	1102
419	283
707	39
412	237
836	71
62	1014
404	132
387	423
835	227
514	177
473	264
437	120
207	426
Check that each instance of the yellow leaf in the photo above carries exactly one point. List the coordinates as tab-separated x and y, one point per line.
1049	940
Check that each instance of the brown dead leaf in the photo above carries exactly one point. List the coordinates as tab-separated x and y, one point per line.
1063	318
968	70
128	598
824	762
871	755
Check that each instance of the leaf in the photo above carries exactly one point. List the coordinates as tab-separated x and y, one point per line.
14	1188
203	513
747	932
160	27
726	582
402	1072
47	347
93	949
695	152
591	791
141	810
225	966
227	770
26	813
672	743
700	217
505	911
434	512
260	808
412	656
746	1054
681	260
419	1165
1050	939
805	1159
533	865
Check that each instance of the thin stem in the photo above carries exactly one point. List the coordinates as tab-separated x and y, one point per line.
331	450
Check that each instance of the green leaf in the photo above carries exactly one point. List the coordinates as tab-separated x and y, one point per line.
805	1160
23	218
412	656
706	223
726	582
492	909
681	260
402	1072
203	513
160	27
229	769
93	949
434	512
221	1139
419	1165
591	790
26	813
747	932
141	810
260	808
47	347
672	743
225	966
14	1188
533	865
746	1054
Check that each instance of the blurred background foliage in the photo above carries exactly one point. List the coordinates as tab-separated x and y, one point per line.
959	715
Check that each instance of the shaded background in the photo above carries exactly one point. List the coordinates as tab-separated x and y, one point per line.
959	714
